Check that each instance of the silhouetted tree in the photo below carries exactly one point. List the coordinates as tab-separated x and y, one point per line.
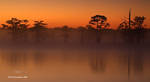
126	31
38	25
39	29
139	29
125	25
4	26
136	31
138	22
16	26
100	21
24	25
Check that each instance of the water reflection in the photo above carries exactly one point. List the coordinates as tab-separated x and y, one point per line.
14	58
137	58
117	65
98	63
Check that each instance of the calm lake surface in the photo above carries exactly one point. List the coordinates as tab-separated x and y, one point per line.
75	65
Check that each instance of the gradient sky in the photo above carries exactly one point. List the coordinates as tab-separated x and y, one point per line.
73	12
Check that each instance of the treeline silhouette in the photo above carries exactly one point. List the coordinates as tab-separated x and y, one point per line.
97	32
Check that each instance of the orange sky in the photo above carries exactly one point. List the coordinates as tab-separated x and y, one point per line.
72	12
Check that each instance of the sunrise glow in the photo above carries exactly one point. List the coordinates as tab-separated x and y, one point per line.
73	13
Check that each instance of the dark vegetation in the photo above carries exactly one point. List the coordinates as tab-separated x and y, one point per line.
130	32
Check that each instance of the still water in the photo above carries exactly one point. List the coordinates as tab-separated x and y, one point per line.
76	65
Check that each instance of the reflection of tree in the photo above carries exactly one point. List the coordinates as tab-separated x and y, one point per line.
15	58
39	57
135	61
98	63
138	60
18	59
138	63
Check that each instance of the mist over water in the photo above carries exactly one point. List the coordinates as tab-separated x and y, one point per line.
73	38
76	65
74	55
